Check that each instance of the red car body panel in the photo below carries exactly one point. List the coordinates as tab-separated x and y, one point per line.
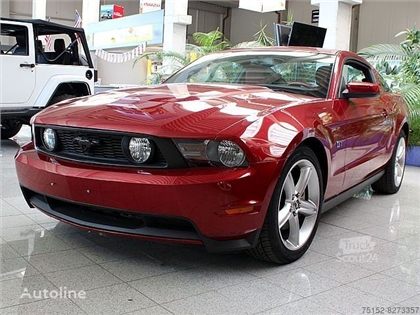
355	138
170	110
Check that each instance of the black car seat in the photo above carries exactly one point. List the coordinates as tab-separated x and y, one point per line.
322	79
60	53
39	52
22	48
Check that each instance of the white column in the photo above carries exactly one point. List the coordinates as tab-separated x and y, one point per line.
175	26
335	16
39	9
5	8
90	12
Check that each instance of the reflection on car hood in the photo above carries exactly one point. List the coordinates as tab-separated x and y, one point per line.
172	110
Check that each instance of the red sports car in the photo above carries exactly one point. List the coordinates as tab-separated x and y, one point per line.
240	150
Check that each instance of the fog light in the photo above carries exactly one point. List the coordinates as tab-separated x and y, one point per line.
140	149
49	139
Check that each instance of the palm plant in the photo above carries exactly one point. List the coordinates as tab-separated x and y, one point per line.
401	64
205	43
177	61
261	38
208	42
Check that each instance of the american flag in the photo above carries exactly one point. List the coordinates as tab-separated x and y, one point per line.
77	20
48	41
78	23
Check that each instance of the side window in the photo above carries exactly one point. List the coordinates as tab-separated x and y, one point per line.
351	74
14	40
354	71
54	48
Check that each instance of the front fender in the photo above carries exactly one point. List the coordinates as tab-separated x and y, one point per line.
51	86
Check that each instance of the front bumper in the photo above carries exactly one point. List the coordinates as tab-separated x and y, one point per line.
192	206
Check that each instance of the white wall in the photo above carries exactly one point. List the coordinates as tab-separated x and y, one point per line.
381	20
302	11
246	23
62	12
4	8
121	73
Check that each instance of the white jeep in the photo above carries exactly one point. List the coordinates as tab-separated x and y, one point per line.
41	63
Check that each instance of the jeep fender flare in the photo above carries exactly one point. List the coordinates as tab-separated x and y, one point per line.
59	85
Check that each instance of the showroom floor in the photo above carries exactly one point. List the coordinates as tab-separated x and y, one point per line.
365	259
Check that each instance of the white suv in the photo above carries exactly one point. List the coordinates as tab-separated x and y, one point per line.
41	63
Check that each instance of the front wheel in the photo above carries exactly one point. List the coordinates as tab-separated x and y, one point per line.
292	217
391	181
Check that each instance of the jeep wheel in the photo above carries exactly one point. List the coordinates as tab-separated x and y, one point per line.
8	131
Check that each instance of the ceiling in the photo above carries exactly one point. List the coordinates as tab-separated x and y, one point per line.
222	3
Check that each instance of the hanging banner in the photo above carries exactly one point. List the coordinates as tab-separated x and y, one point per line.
126	32
111	11
262	6
121	57
150	5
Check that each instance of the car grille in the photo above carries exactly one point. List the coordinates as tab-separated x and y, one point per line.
116	220
110	145
108	148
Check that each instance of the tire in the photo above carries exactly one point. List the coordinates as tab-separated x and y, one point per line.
61	97
10	131
293	214
391	181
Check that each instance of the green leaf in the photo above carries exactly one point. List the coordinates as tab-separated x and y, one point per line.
401	33
383	52
412	97
406	73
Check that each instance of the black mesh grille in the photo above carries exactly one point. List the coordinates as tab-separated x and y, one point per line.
109	145
107	148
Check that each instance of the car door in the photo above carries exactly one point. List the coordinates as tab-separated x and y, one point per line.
368	125
17	63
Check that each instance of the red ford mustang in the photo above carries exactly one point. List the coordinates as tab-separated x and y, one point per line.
241	149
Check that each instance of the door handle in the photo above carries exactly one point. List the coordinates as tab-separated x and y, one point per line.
27	65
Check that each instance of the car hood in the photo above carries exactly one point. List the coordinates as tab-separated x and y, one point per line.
171	110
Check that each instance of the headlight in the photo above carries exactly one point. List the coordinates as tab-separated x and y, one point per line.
49	139
140	149
230	154
211	152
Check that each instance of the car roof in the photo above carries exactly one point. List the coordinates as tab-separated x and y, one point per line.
285	49
46	25
274	49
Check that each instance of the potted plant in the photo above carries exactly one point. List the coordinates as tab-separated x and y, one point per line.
400	65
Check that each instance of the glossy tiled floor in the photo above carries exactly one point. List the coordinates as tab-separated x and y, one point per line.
366	254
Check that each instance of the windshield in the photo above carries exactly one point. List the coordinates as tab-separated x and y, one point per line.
306	73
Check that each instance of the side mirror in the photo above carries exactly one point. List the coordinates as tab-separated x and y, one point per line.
361	90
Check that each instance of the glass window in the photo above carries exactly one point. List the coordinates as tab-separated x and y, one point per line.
14	39
294	72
